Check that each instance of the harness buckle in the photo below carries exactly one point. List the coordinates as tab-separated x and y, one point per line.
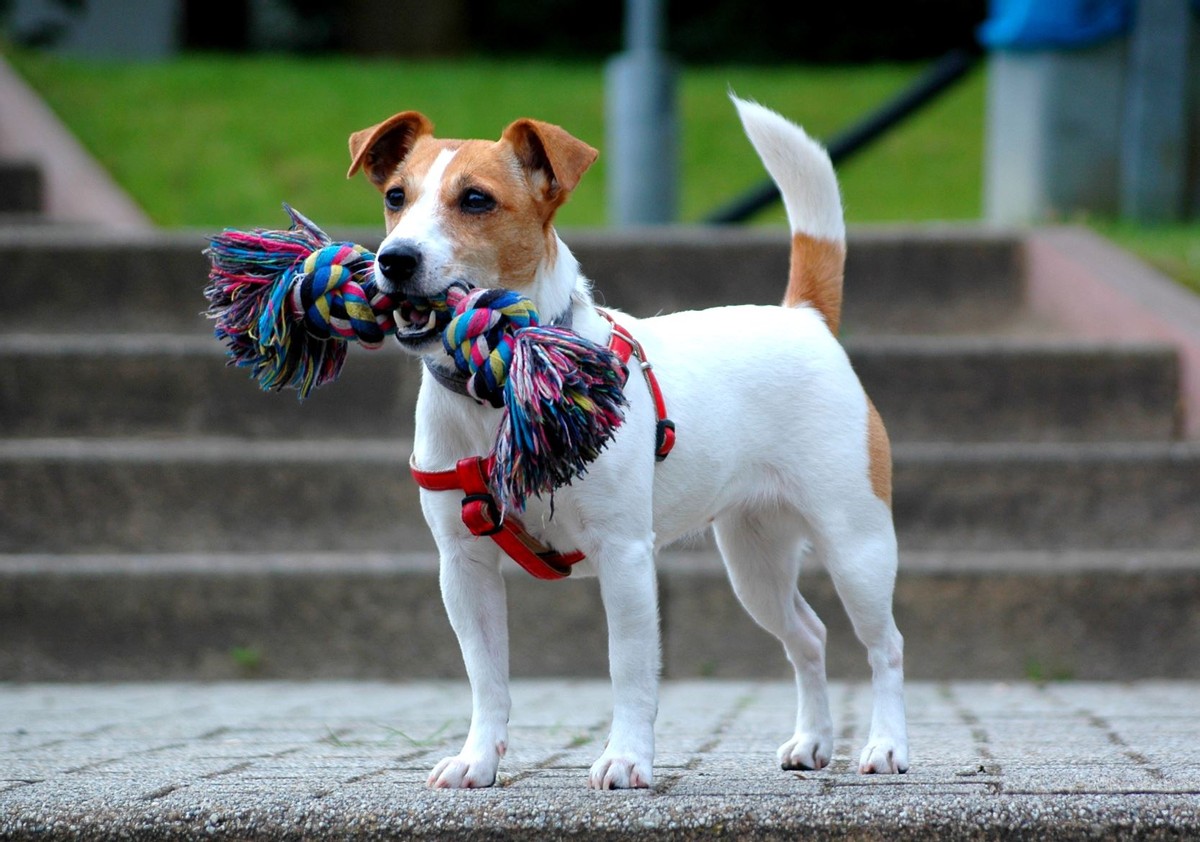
481	515
664	439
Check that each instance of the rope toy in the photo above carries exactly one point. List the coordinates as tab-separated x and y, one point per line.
286	304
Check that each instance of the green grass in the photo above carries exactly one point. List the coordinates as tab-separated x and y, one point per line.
1173	248
214	141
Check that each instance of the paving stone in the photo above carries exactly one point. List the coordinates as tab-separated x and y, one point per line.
185	761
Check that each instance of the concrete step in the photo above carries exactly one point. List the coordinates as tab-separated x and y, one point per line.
176	386
132	495
991	389
21	188
1010	615
906	280
928	389
1047	496
899	281
217	495
23	220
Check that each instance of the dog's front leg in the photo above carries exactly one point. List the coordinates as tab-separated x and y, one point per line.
629	591
473	591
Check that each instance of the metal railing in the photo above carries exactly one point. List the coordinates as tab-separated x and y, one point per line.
943	75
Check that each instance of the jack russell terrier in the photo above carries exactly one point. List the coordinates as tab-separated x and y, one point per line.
778	447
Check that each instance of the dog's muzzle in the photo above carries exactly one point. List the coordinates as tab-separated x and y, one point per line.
398	265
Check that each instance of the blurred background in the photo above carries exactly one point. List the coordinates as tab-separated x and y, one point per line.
212	113
1041	386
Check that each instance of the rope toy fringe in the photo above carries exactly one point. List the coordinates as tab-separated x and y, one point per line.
287	304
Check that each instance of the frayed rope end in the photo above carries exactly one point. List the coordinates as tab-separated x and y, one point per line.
286	302
564	401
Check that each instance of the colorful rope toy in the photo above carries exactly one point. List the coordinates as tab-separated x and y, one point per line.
287	304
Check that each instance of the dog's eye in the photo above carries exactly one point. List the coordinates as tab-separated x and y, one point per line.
394	199
476	201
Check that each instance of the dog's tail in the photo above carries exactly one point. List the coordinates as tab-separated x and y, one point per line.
801	168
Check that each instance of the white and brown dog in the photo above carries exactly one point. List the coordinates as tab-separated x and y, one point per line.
778	449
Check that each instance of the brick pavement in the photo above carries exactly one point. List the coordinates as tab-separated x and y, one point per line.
342	760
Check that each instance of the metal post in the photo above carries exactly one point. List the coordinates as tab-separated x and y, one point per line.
1154	147
1053	132
642	133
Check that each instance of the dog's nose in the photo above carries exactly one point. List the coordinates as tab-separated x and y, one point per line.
399	263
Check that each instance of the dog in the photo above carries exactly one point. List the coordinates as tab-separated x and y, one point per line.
778	448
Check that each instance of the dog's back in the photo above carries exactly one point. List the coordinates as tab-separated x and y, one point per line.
804	174
782	405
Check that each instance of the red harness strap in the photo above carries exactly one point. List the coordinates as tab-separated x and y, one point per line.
622	343
479	510
482	516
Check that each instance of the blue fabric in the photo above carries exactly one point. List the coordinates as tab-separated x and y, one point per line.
1040	24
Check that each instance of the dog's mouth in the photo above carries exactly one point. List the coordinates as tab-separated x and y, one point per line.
415	319
420	320
418	324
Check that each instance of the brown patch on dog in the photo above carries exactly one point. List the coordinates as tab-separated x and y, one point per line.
880	453
529	173
379	149
815	277
508	243
553	158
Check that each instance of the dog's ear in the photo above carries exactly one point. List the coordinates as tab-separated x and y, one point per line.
378	150
554	158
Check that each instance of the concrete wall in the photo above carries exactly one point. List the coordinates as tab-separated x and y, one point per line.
1112	128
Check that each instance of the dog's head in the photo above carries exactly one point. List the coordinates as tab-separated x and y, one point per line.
472	211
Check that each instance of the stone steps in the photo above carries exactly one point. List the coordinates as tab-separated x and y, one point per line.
940	281
21	188
355	495
1097	614
175	386
163	518
927	388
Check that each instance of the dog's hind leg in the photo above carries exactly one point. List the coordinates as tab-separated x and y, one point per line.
860	555
762	553
473	591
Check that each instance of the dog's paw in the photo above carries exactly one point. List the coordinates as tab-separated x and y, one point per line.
883	757
805	751
621	770
464	772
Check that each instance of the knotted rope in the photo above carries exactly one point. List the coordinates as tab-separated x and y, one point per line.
265	283
482	337
287	303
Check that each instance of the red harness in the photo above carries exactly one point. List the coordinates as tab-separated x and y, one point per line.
479	510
